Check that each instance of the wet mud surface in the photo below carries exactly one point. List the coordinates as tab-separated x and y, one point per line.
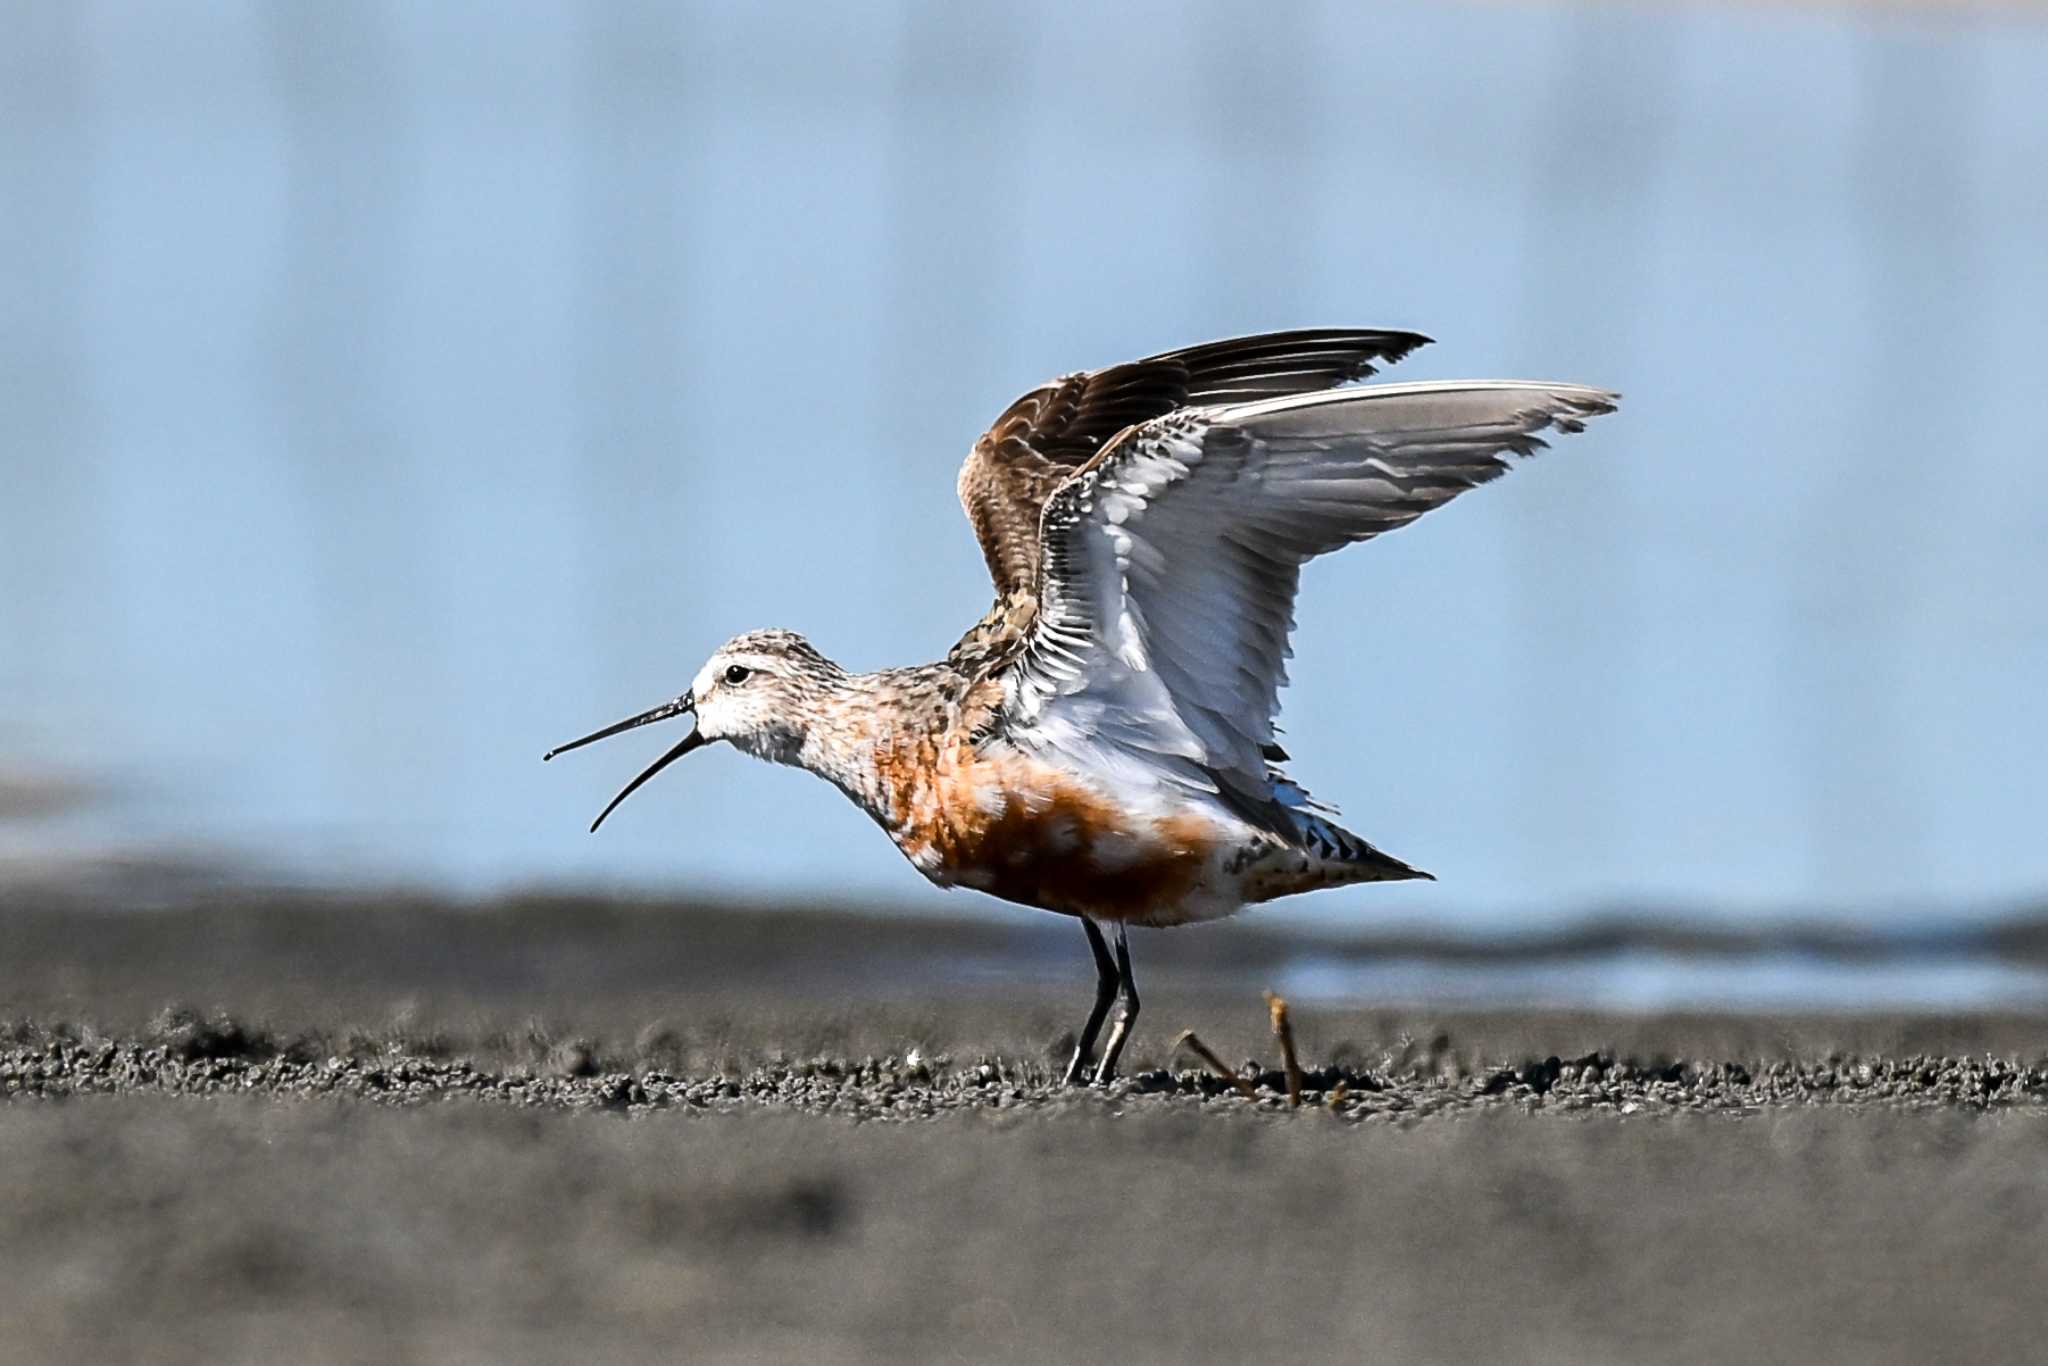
186	1054
341	1134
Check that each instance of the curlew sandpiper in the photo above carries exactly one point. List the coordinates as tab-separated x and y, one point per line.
1101	743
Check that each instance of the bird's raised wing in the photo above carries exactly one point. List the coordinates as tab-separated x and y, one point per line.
1042	438
1166	595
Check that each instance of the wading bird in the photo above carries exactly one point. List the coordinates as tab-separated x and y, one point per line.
1101	742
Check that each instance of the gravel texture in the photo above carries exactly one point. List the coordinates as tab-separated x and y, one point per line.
187	1054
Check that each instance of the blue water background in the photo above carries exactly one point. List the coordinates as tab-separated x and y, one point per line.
388	392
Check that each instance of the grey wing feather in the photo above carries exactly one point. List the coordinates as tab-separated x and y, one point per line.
1170	564
1047	434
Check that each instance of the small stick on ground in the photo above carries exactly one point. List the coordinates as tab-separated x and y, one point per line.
1284	1031
1195	1046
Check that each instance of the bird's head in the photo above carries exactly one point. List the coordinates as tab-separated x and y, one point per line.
759	691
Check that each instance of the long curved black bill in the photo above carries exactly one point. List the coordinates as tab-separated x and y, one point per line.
688	743
681	706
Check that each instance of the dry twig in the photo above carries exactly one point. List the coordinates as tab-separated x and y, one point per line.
1284	1031
1201	1050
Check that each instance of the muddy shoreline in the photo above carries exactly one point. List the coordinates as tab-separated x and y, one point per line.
188	1055
337	1132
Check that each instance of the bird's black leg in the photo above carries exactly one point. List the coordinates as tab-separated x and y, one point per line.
1125	1017
1106	978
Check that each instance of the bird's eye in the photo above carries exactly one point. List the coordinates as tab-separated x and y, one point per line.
736	674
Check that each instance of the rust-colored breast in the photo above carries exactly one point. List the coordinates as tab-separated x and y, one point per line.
1027	832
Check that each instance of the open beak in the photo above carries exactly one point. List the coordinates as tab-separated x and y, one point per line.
683	704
